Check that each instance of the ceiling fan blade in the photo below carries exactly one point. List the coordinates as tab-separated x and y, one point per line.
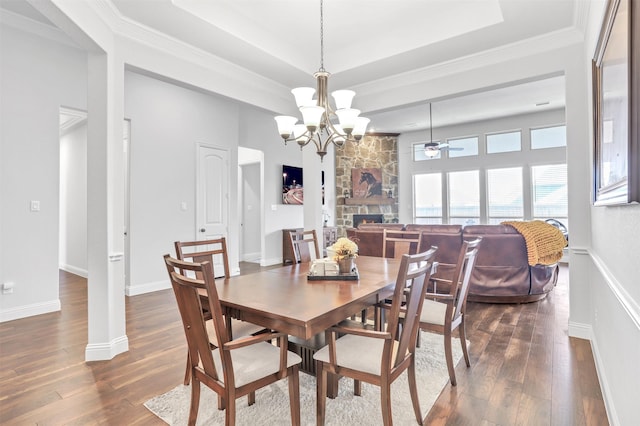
451	148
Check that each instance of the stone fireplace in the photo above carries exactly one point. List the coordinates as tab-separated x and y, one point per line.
373	151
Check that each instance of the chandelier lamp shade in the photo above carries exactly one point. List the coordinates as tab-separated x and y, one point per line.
322	123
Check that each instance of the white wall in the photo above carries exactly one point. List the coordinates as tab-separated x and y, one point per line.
613	289
36	78
258	131
167	123
73	200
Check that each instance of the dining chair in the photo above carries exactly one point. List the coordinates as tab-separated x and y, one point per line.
301	242
379	357
236	367
211	250
443	313
395	243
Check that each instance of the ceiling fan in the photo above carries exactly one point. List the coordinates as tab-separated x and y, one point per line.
431	148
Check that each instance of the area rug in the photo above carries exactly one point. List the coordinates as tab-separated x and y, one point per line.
272	402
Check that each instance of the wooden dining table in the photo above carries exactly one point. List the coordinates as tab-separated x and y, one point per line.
283	298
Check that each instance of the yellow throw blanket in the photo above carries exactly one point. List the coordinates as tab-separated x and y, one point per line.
544	242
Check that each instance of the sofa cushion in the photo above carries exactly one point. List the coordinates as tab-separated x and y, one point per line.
435	229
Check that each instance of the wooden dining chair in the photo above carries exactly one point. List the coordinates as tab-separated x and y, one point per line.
395	243
210	251
443	313
301	242
237	367
379	357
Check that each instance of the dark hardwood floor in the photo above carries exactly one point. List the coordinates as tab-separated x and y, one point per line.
524	367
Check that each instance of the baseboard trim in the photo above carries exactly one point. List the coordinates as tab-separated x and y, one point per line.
612	415
106	351
73	270
251	257
580	330
270	262
30	310
147	288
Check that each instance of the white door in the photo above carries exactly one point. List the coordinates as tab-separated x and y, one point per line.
212	201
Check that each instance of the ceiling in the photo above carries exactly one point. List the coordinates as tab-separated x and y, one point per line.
364	41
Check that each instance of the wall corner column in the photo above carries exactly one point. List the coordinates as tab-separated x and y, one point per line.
105	198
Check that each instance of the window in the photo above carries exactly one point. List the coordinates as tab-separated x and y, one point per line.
419	155
464	197
469	147
549	192
504	142
549	137
427	189
504	194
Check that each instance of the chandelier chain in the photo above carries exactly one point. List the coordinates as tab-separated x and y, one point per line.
322	35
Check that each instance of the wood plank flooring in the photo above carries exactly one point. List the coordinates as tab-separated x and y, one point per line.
524	368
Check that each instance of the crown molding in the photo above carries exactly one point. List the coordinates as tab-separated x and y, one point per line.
581	15
525	48
75	118
31	26
240	81
410	86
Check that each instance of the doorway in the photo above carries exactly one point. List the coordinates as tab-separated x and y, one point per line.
72	238
251	205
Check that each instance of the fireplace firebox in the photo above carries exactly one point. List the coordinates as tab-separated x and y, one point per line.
367	218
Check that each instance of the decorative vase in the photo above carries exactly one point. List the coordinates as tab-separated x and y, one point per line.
345	266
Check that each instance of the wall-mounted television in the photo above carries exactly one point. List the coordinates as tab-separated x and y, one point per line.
292	188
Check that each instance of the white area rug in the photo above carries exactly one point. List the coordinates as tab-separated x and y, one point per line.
272	402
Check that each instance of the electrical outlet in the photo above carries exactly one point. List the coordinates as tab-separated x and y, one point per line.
7	288
35	206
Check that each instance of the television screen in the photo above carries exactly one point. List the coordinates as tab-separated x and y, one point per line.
292	190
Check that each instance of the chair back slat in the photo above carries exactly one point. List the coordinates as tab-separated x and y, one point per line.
301	242
396	243
187	291
408	296
205	251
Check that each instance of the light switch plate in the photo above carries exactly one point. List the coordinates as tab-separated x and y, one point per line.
35	205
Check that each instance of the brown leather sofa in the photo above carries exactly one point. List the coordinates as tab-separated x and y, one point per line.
501	274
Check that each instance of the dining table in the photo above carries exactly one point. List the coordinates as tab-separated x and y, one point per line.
286	300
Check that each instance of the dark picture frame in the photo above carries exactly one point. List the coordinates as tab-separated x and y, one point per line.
616	82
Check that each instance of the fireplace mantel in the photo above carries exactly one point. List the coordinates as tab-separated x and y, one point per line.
366	201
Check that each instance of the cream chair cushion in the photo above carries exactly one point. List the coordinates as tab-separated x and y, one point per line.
433	312
358	353
254	362
238	329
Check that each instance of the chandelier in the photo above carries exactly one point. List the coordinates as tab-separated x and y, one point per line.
322	124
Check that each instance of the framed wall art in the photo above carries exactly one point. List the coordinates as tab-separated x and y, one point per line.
616	78
366	183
